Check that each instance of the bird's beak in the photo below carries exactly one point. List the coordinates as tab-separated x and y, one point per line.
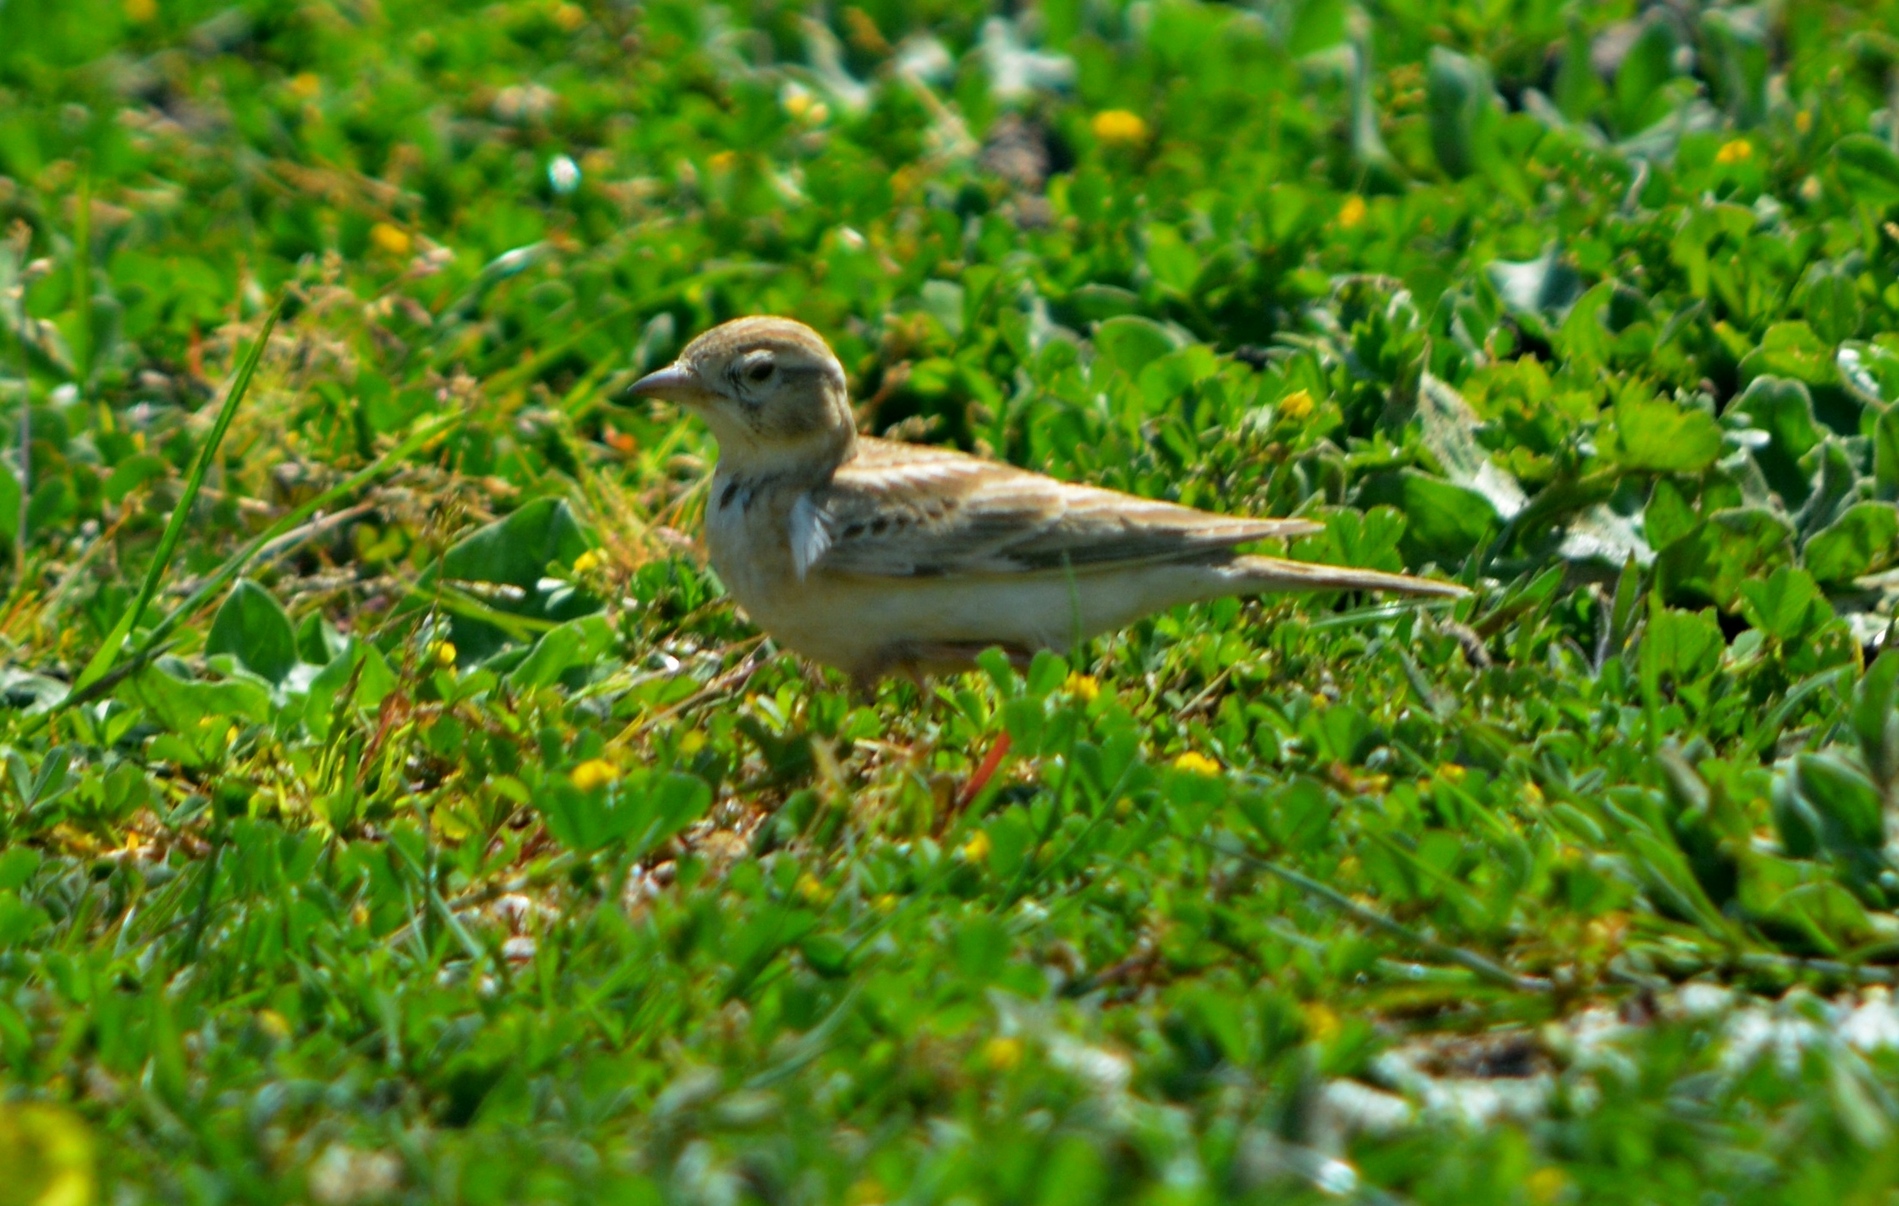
674	383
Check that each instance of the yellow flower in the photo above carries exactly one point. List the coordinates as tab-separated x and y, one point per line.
1321	1023
390	240
1119	128
140	11
1002	1054
1740	150
805	107
47	1153
1450	772
1803	122
305	85
588	560
691	742
812	891
1296	405
722	161
570	17
1547	1184
1352	212
1196	763
976	849
1083	687
444	653
594	772
272	1023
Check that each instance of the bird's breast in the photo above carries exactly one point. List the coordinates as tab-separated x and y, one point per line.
748	538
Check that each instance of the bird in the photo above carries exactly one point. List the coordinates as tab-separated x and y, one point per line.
881	558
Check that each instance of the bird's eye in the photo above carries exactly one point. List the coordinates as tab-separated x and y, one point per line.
761	370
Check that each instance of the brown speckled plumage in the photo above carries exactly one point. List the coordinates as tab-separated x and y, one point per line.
877	556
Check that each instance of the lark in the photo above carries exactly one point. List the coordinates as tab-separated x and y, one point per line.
880	557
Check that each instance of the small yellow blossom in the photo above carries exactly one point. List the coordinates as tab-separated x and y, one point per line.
691	742
569	17
1353	212
885	901
1002	1054
1740	150
1803	121
305	85
140	11
272	1023
722	161
1119	128
1451	772
1196	763
444	653
390	240
1123	808
1296	405
594	772
1322	1024
805	107
588	560
812	891
1083	687
976	849
1547	1184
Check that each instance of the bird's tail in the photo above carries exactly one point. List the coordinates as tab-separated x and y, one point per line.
1260	575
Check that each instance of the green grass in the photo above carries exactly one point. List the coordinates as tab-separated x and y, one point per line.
422	825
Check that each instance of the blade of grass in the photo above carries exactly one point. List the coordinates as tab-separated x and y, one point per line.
112	646
420	438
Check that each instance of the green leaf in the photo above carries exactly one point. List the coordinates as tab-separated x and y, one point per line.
1684	644
1863	540
1722	552
1783	410
1131	342
1869	169
198	711
1847	802
1172	259
1787	605
1460	102
1316	25
638	812
133	472
1443	522
1791	349
517	550
1539	290
576	643
1829	297
252	626
1886	455
1875	716
1660	437
361	662
1669	516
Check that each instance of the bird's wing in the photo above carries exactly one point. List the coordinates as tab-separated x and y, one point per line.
905	510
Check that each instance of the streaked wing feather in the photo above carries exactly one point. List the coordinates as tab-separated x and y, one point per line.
903	510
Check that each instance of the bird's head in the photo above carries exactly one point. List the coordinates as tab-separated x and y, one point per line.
770	390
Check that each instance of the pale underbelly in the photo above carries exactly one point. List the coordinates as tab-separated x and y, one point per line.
858	622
